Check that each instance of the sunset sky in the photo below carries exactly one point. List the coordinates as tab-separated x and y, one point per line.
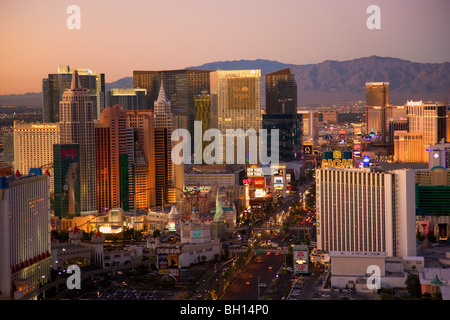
117	36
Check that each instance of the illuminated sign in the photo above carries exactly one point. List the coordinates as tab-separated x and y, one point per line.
204	189
247	196
278	172
260	193
337	159
307	149
300	258
254	171
278	186
247	181
196	233
69	153
172	226
366	160
259	182
278	180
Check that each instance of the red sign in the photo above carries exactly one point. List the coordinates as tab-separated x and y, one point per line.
259	182
66	153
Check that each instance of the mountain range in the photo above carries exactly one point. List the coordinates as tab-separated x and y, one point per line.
327	82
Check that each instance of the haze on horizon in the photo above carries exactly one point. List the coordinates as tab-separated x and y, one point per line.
117	37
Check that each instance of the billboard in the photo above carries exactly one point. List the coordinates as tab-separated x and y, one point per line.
301	258
168	260
259	182
66	165
241	93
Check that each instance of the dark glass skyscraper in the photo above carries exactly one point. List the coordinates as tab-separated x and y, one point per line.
181	88
281	113
53	88
290	133
281	92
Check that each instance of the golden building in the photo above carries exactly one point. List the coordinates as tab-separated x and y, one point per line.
409	147
33	147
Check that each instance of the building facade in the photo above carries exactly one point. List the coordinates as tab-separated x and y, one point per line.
114	118
33	146
236	105
365	210
25	233
281	92
181	86
428	118
127	98
433	201
377	100
142	122
409	147
76	124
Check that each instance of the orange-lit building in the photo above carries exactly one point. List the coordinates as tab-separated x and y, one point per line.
144	162
409	147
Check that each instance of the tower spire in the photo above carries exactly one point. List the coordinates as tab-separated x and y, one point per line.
162	94
75	80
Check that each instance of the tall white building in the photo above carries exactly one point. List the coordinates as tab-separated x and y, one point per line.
366	210
33	146
76	124
25	233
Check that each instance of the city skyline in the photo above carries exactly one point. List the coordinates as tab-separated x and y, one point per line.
146	175
257	30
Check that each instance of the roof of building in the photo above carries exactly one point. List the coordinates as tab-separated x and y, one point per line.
162	98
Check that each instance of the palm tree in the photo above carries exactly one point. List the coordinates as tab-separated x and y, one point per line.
413	284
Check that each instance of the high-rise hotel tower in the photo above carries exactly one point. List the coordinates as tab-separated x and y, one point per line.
77	126
366	210
377	99
24	233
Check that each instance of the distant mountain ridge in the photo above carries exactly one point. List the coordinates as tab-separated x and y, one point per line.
334	81
329	81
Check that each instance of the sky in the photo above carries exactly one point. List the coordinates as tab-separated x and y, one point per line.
116	36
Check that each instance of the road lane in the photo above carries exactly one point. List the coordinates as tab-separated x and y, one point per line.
241	290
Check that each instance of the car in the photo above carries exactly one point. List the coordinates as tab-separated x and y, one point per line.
247	283
268	253
250	277
270	268
263	285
